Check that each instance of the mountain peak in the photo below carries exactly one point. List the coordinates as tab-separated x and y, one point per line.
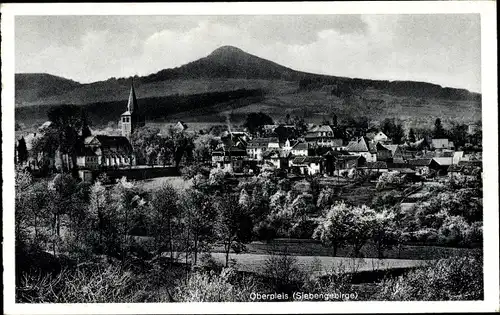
227	49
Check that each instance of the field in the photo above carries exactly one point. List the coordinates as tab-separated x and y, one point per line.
302	247
320	265
176	181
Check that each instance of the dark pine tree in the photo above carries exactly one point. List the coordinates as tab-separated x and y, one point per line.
85	126
411	136
439	131
22	151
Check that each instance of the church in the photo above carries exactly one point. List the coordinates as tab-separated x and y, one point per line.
98	151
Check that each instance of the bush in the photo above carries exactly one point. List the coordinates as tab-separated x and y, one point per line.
264	231
454	231
303	228
209	263
80	285
455	278
212	287
283	272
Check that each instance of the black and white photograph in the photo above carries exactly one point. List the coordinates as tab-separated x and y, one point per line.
249	157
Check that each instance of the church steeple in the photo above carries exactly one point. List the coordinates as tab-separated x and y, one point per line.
132	100
131	119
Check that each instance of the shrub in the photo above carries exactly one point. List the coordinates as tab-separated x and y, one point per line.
455	278
303	228
212	287
454	231
81	285
283	272
264	231
209	263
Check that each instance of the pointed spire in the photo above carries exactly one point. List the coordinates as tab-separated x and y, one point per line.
132	100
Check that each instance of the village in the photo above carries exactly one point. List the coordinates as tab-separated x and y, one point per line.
327	150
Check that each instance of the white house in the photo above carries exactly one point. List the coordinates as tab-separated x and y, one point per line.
300	149
362	147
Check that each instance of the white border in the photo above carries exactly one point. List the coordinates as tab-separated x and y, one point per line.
487	9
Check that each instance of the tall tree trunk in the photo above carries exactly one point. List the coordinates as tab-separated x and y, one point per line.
227	247
195	248
335	247
170	240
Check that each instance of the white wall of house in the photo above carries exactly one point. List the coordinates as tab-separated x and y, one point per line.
299	152
370	157
313	168
380	137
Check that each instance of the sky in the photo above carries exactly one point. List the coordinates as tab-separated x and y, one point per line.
437	48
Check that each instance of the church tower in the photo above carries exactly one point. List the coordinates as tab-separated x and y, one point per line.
130	119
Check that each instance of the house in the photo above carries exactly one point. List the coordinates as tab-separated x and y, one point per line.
180	126
420	165
457	156
441	144
45	125
322	136
229	158
383	152
307	165
269	128
362	147
441	164
375	167
331	157
277	158
345	162
377	137
257	146
473	128
300	149
105	151
239	139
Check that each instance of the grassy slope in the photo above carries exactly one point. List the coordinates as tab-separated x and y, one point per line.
118	91
281	97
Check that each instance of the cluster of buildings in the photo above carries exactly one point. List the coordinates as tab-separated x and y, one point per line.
323	150
94	151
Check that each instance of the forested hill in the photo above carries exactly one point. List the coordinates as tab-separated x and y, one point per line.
212	74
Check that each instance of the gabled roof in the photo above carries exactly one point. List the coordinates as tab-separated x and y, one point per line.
358	145
391	147
440	143
455	168
443	161
376	165
419	162
233	150
113	141
262	142
300	146
46	124
324	128
317	130
336	153
307	159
